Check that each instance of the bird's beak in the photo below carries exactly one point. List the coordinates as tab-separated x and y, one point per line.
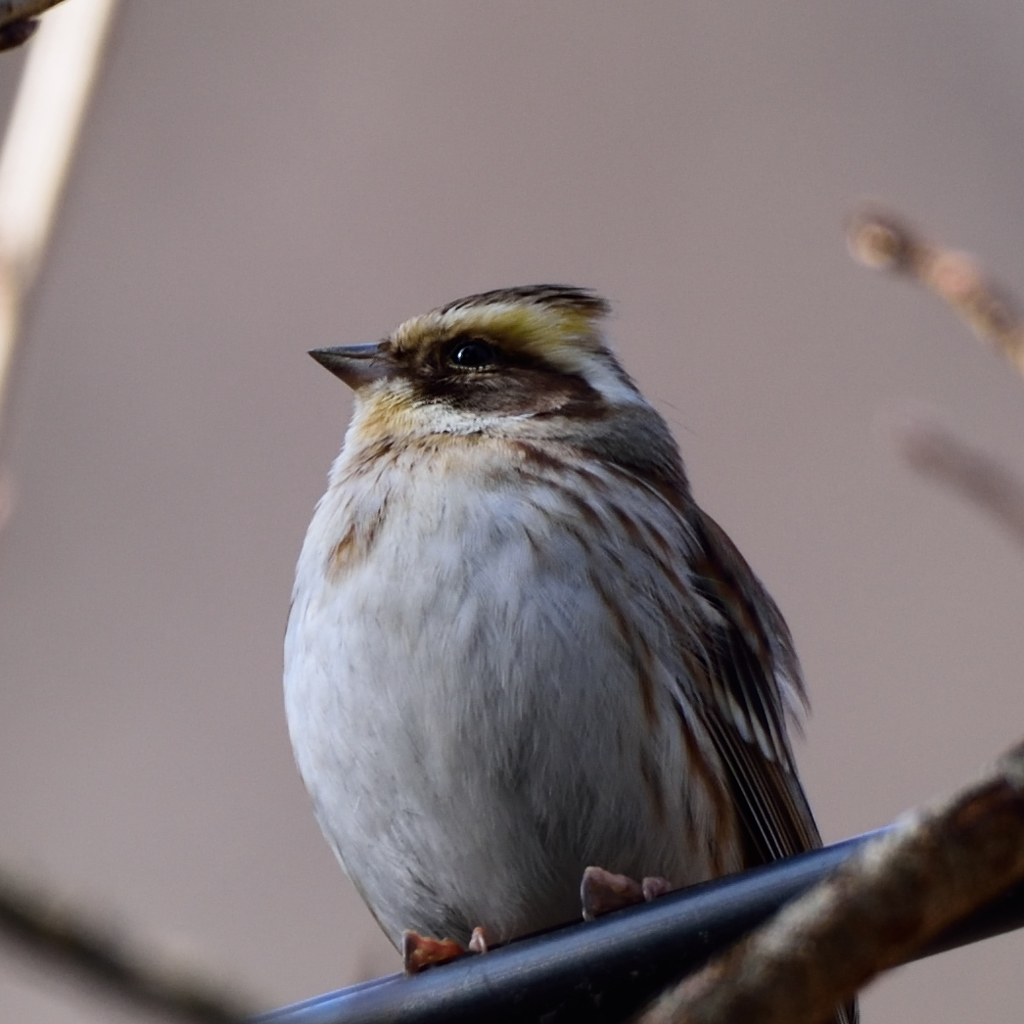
356	365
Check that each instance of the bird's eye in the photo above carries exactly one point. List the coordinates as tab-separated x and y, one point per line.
474	354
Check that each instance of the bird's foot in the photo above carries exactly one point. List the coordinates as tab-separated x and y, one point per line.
478	941
420	951
601	891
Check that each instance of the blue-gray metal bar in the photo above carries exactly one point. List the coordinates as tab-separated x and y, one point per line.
603	971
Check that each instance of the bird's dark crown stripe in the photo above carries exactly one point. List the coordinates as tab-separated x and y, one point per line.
563	296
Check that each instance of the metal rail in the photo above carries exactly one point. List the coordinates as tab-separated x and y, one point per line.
603	971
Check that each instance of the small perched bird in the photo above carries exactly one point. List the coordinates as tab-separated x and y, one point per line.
517	647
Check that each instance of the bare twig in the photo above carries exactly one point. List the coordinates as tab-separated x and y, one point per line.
886	242
937	865
50	927
936	452
18	10
58	77
45	122
18	20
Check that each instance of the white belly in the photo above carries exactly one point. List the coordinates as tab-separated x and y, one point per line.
465	712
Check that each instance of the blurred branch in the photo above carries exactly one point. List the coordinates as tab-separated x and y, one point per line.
18	20
18	10
45	122
880	907
936	452
884	241
48	926
897	894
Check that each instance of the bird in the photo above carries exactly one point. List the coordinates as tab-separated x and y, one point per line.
520	657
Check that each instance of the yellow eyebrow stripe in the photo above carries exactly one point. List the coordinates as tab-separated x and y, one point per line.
556	335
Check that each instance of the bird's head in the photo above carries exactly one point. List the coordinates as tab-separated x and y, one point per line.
505	362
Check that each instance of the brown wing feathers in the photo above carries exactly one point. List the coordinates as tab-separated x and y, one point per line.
746	713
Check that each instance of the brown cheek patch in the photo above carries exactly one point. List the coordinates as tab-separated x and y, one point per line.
510	390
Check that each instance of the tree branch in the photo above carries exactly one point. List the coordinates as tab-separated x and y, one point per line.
885	241
18	20
943	862
880	907
44	125
49	927
940	454
17	10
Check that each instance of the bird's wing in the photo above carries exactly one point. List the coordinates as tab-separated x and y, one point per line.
751	686
754	681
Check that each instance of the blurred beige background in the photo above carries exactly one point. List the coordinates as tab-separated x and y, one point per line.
259	178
